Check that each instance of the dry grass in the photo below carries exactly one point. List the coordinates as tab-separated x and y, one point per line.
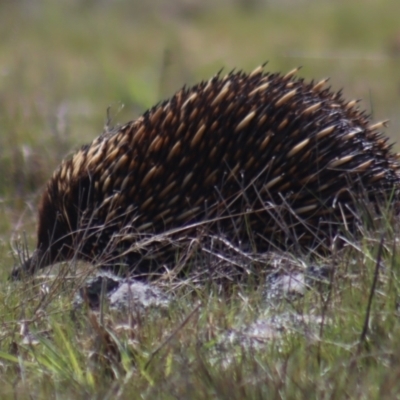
212	340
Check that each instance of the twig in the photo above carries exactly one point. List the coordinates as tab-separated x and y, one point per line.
372	292
169	338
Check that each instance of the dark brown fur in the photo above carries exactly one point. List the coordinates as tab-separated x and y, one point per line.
262	158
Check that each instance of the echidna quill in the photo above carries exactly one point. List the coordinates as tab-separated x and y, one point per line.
261	159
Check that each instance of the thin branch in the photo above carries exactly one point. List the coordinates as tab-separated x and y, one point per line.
372	292
170	337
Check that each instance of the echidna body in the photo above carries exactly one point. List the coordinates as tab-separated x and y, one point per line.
260	158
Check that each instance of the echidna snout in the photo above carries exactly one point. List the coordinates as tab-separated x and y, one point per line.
261	158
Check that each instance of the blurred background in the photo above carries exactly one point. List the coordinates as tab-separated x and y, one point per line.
63	63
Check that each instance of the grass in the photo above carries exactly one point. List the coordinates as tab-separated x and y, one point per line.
203	345
62	64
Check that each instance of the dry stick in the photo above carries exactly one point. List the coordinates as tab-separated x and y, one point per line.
169	338
371	293
325	305
364	332
102	301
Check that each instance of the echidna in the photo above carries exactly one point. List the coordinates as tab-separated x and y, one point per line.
262	159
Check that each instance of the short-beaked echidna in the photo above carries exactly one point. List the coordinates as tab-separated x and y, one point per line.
263	159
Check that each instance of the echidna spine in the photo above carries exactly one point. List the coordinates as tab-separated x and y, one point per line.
262	155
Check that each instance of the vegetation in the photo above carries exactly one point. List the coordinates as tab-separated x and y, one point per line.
62	65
